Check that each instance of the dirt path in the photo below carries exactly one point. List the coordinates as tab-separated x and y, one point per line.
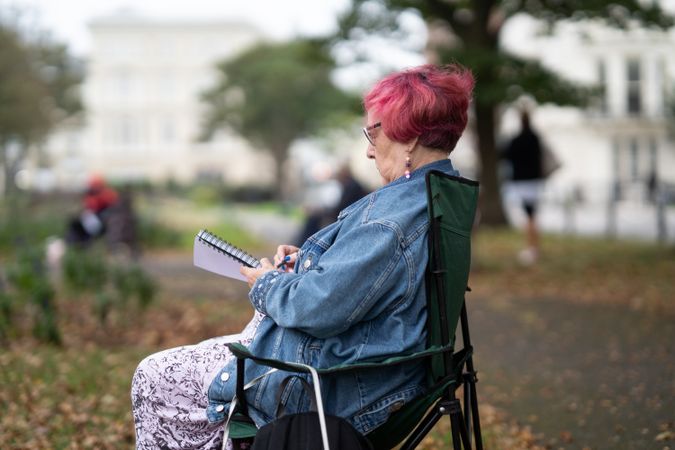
582	376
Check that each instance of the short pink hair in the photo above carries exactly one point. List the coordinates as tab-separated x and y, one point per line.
430	102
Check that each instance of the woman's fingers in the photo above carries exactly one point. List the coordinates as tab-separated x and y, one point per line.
286	254
253	273
284	250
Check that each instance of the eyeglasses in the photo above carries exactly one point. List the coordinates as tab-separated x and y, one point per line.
366	132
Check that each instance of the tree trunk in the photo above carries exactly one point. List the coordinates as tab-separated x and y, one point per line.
482	38
7	179
490	203
279	188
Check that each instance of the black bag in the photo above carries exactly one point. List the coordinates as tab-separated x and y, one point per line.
302	431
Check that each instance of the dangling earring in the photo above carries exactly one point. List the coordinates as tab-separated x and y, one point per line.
407	166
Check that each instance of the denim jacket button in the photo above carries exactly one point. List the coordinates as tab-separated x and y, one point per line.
220	408
224	376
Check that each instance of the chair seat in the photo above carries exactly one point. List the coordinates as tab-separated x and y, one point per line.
401	423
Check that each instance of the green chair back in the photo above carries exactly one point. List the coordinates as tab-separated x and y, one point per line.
451	202
452	205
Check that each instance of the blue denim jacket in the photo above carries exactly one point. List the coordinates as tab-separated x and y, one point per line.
357	294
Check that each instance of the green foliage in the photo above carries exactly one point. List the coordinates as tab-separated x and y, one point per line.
233	233
249	194
206	194
38	81
110	285
29	223
476	25
31	290
132	282
6	313
84	270
152	234
618	14
21	91
276	93
513	76
61	74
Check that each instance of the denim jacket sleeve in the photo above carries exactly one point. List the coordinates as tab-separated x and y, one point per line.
352	275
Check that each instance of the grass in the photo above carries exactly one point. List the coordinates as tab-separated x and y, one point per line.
186	218
46	218
78	396
634	274
66	398
79	399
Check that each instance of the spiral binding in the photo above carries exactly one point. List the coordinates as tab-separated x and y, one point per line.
228	249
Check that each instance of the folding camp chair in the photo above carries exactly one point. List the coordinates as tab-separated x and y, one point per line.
451	206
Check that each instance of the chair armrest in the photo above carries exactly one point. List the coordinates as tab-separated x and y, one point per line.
242	352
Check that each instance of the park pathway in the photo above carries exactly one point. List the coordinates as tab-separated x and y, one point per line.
581	376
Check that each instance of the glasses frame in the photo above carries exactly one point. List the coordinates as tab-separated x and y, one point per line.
366	132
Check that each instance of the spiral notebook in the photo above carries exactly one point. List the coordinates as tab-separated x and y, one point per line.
216	255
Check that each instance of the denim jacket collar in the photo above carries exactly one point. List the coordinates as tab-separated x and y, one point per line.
444	165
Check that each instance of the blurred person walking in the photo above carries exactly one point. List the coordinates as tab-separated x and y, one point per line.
526	154
350	191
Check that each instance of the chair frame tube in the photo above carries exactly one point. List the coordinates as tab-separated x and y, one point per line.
461	423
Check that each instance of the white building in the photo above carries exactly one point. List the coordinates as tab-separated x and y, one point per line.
143	110
625	138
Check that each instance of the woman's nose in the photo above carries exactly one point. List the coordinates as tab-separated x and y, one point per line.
370	152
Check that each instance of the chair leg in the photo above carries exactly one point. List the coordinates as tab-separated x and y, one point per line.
475	416
454	426
422	429
467	409
471	416
460	436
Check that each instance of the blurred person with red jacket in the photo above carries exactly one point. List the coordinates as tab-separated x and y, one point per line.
98	200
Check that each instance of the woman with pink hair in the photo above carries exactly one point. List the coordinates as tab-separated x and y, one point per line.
353	292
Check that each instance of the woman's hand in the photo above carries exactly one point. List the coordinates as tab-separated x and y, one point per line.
252	274
287	254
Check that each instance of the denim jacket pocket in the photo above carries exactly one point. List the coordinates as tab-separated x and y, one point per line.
309	256
306	261
376	414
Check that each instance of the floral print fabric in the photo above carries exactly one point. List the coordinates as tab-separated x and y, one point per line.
169	393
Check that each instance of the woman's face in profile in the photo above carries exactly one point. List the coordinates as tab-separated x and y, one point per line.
389	155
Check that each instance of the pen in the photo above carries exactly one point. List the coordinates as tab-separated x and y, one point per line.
284	261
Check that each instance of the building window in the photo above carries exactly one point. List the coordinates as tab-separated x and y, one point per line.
634	164
662	85
168	131
602	86
122	85
653	155
635	158
634	87
125	132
